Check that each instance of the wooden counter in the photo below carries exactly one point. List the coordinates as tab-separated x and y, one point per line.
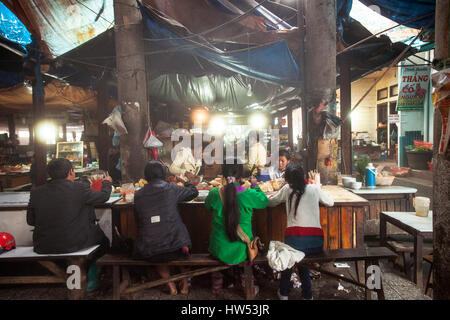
14	179
342	224
385	198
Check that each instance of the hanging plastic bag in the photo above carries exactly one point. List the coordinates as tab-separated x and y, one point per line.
332	124
114	120
116	139
150	140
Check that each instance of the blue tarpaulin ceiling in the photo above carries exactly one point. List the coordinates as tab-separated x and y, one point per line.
11	28
13	33
256	50
272	63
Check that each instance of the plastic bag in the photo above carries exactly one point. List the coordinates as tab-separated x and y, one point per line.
150	140
116	139
114	120
332	124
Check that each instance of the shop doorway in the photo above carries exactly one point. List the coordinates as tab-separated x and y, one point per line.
382	120
393	132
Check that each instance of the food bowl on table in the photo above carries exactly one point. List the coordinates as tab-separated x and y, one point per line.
356	185
384	181
202	194
347	181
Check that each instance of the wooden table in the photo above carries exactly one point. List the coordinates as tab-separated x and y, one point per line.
419	227
342	224
13	206
18	180
384	198
13	201
14	178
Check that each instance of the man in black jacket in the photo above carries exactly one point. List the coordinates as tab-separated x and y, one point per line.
62	211
162	235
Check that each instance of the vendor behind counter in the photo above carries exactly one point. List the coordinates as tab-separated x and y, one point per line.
185	162
271	173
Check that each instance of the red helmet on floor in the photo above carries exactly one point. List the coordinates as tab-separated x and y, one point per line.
7	242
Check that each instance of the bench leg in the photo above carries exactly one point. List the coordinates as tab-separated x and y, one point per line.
116	282
368	292
248	276
429	279
125	279
361	273
79	294
380	291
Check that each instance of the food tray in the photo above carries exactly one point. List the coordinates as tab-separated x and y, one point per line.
384	181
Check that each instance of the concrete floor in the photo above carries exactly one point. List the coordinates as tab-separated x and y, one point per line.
395	284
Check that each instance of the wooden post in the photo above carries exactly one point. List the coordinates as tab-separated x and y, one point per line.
346	106
103	139
40	156
132	88
11	125
441	173
302	77
320	57
31	134
64	128
290	129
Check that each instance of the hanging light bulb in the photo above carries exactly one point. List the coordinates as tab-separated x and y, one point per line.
249	90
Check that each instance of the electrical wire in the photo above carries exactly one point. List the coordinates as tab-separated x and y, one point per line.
241	16
283	5
383	31
96	13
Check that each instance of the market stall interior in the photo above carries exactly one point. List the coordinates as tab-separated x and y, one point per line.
201	97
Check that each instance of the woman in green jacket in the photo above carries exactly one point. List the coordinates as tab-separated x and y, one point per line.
236	209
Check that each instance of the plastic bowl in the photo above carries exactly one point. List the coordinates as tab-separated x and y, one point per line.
347	181
356	185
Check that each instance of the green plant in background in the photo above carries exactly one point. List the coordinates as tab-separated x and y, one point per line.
361	164
421	149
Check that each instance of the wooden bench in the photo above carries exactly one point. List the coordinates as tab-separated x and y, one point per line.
209	264
370	256
404	248
26	254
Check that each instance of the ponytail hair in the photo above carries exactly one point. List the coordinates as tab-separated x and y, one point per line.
232	173
295	176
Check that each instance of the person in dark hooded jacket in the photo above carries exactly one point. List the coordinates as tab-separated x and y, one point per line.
161	234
